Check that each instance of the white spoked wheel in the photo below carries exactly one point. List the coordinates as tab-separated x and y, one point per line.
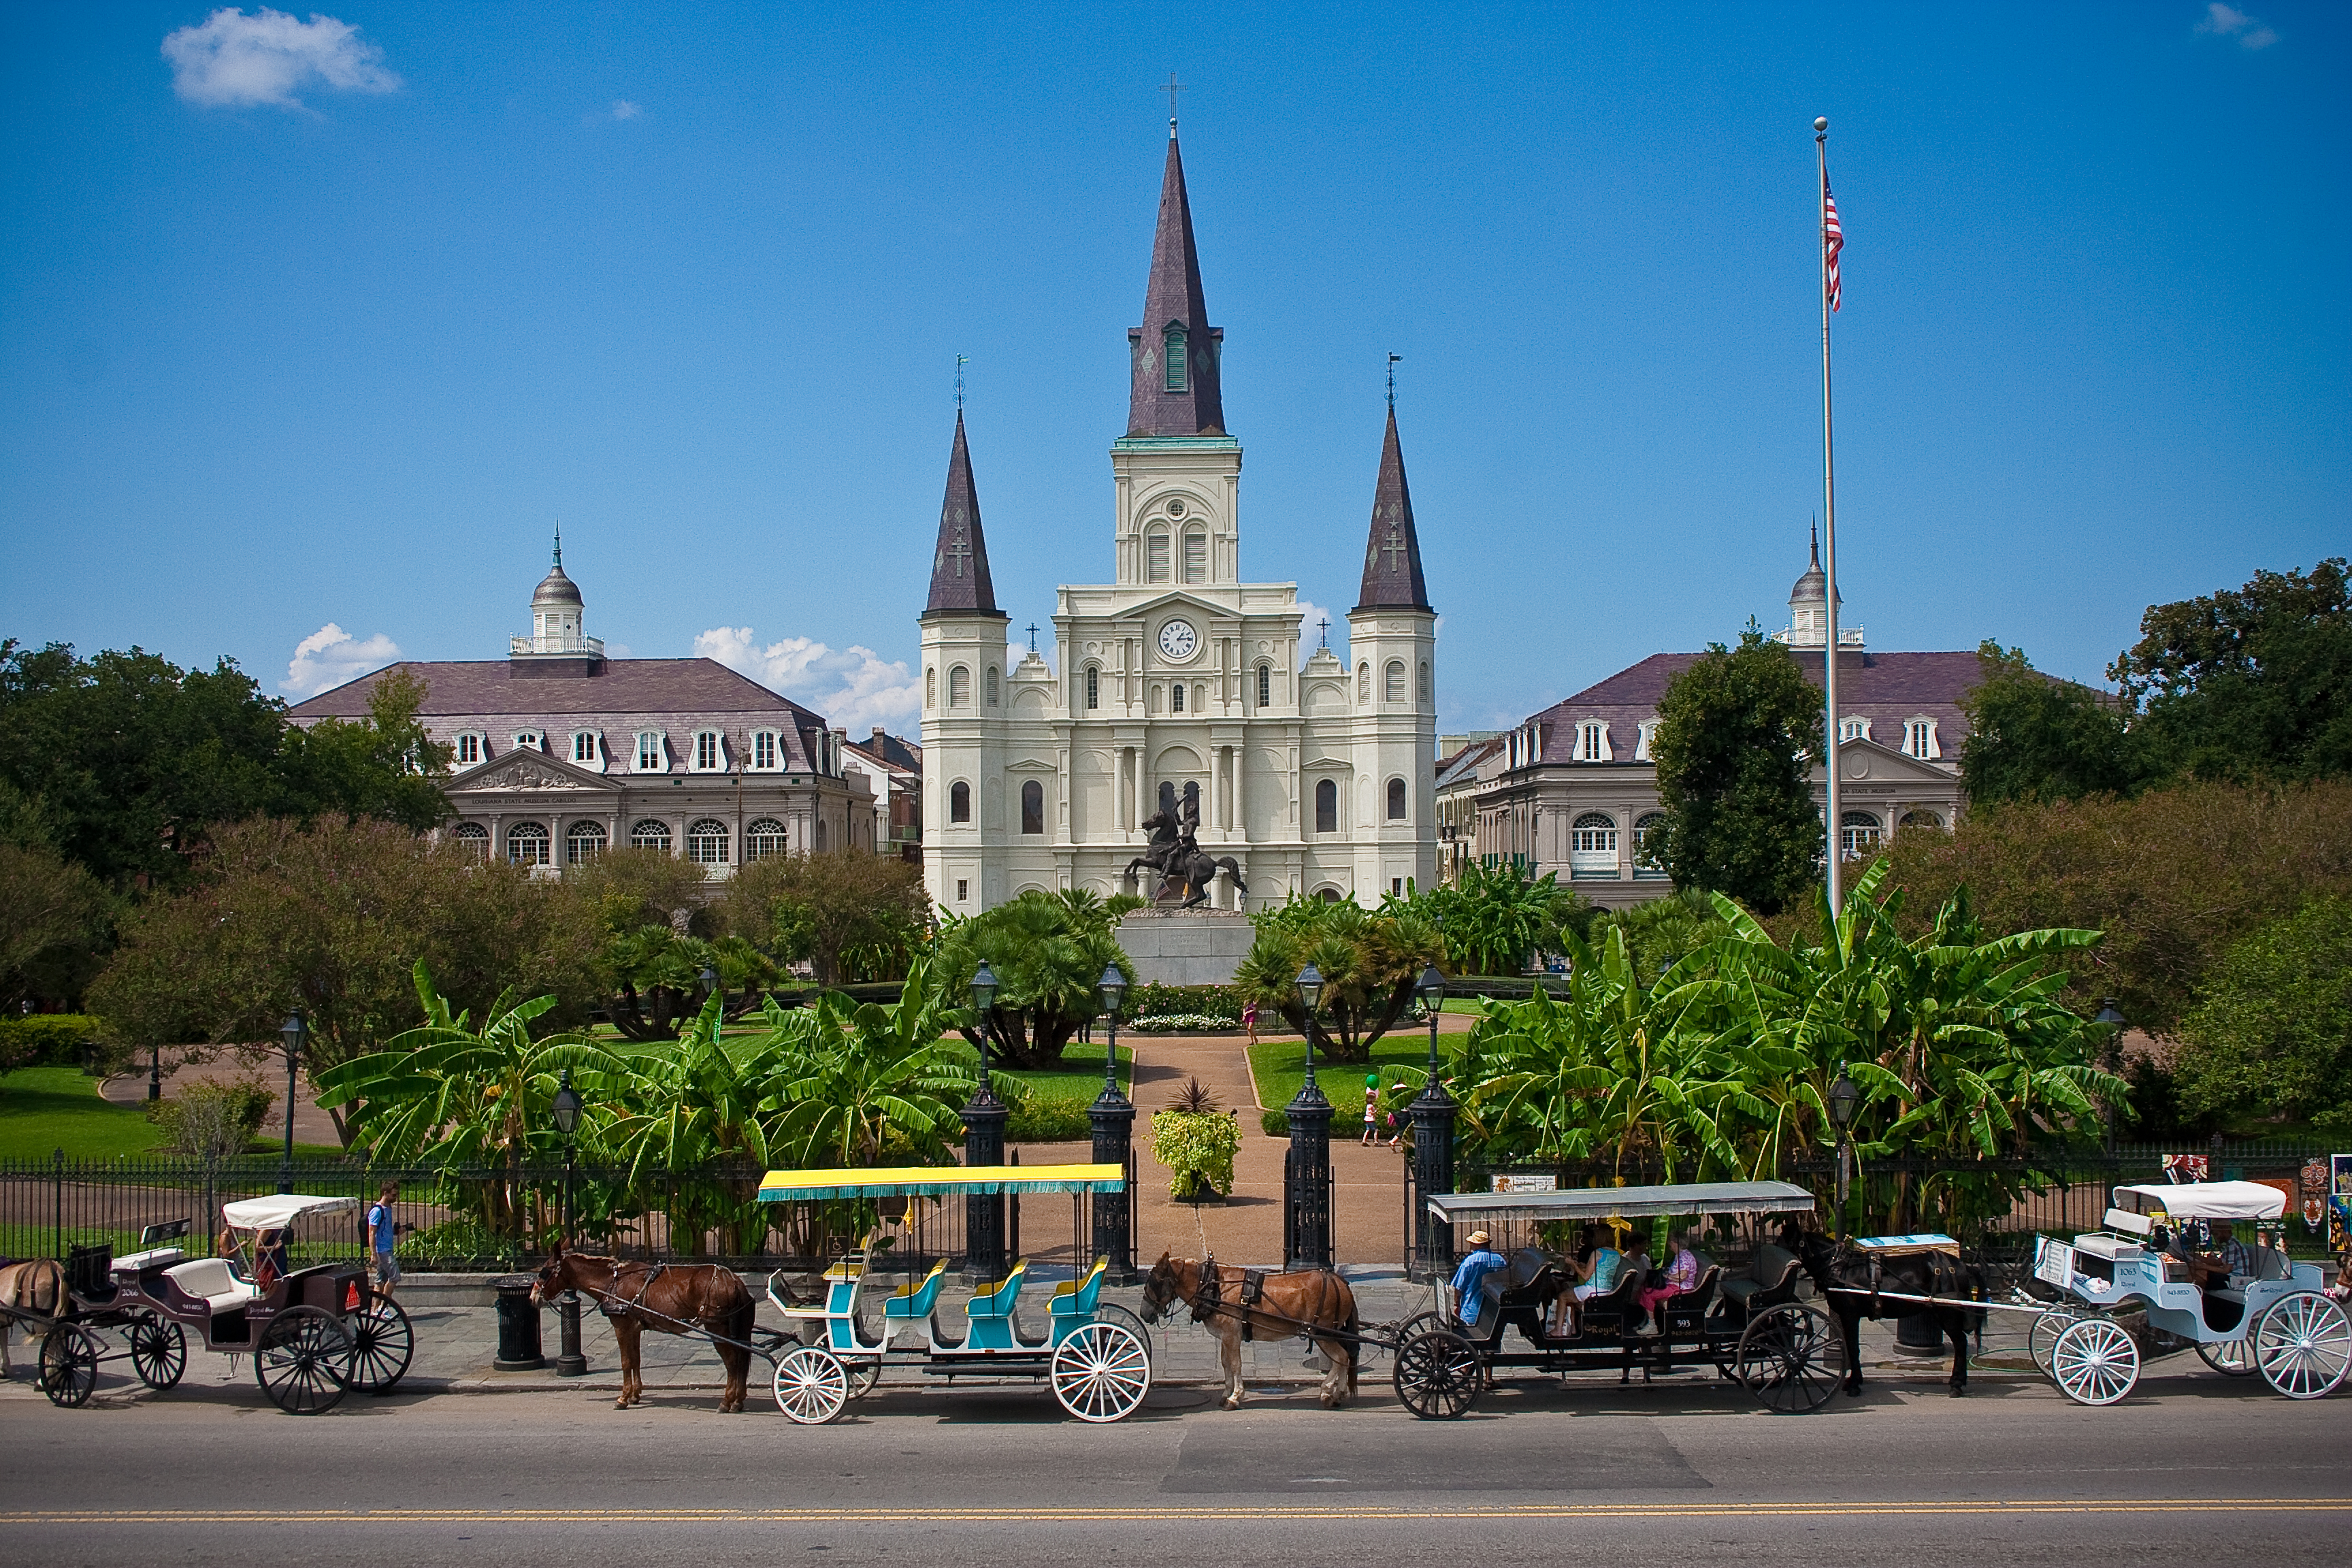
2230	1358
1102	1372
2043	1338
2303	1345
2094	1363
863	1376
812	1385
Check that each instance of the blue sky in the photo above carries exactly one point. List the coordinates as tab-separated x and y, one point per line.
320	324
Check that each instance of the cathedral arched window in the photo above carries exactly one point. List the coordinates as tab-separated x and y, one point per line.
1592	845
526	844
762	838
1363	683
1327	807
1176	698
1858	833
583	842
1155	557
1393	681
706	842
473	838
1396	800
1424	680
1173	345
1094	687
959	687
960	802
1265	685
1032	806
992	686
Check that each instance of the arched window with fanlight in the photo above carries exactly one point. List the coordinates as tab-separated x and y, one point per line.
650	834
960	802
583	842
705	841
1327	807
1859	833
1396	800
762	838
1592	845
528	844
1032	806
473	838
1922	818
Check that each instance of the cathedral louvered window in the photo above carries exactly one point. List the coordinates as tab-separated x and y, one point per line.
1173	346
1155	558
1196	558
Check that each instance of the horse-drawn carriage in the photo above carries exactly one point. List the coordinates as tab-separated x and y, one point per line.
1095	1355
1747	1324
314	1333
2253	1311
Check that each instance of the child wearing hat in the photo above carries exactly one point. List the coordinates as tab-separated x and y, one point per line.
1371	1108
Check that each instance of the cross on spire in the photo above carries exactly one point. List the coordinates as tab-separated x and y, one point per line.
959	553
962	361
1394	547
1392	365
1324	626
1171	89
559	541
1032	637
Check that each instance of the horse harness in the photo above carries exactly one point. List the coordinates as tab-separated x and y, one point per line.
1208	1301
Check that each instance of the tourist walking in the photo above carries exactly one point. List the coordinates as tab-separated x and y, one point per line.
1249	1020
382	1238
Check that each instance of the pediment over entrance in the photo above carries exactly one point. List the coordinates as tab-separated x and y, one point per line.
1861	761
529	769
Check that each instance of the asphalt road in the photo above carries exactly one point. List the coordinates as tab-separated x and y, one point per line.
2193	1467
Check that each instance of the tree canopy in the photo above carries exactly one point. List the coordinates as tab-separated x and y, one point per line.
2034	737
2274	1030
1734	733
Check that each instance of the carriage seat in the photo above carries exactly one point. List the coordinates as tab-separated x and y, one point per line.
212	1280
997	1301
154	1258
1774	1270
913	1303
1684	1313
1075	1298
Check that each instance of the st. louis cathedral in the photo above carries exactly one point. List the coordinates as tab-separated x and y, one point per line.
1314	777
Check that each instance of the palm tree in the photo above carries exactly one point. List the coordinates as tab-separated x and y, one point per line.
852	1081
1370	963
1049	953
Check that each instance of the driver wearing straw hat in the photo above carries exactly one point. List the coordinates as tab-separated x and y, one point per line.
1482	1260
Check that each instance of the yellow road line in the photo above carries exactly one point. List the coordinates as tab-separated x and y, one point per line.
1140	1515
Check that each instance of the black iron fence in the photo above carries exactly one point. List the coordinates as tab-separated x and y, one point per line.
472	1218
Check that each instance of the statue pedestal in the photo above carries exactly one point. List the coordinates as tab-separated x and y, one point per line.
1185	947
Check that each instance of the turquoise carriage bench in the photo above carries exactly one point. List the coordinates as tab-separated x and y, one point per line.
912	1304
990	1311
1073	1306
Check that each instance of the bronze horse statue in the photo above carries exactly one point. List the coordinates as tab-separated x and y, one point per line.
1853	1285
670	1299
1244	1303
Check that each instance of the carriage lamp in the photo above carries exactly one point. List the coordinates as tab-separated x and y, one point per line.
291	1032
709	978
568	1362
983	988
1110	992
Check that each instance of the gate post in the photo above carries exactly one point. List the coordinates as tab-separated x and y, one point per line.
983	1144
1433	1150
1112	1115
1306	1170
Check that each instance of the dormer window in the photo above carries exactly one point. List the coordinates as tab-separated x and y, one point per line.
1919	740
1645	736
1592	742
1854	728
466	750
766	755
652	755
527	741
1177	364
587	748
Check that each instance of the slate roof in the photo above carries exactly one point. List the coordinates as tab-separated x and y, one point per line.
1392	553
891	752
490	687
959	579
1172	295
1466	763
1884	688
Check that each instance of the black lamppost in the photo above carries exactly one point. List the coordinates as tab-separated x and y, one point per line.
569	1363
2112	1022
1112	1115
983	1144
291	1032
1307	1175
1843	1101
709	978
1433	1141
154	1070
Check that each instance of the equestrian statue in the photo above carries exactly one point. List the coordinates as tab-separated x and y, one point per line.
1174	852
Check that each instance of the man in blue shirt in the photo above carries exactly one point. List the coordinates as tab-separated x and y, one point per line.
1482	1260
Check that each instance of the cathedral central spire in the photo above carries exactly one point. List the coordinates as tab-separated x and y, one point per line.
1175	352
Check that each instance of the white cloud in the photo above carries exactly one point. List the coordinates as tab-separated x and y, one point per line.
233	60
855	688
624	109
2228	22
331	655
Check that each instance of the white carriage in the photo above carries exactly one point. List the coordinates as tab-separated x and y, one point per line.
2271	1317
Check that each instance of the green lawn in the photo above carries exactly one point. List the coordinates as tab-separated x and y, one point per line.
1080	1075
43	1109
1278	1068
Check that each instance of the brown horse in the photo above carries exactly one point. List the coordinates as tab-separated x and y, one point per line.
669	1298
38	1287
1239	1302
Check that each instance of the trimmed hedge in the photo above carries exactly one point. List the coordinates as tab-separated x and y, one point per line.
46	1039
1222	1004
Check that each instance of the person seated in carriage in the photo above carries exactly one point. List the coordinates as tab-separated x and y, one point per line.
2210	1270
1681	1276
1595	1268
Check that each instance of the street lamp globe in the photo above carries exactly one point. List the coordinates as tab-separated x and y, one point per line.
1843	1100
1110	992
1310	988
983	988
567	1106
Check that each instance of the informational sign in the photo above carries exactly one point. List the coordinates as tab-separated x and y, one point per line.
2054	1262
2314	1197
2339	1202
1527	1184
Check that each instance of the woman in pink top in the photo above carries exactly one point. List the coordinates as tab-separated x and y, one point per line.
1681	1275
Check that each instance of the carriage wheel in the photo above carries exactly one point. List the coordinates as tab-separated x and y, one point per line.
812	1385
1112	1312
1101	1372
381	1344
2303	1345
1438	1376
2230	1358
159	1352
69	1367
2043	1338
2094	1361
863	1376
301	1359
1792	1358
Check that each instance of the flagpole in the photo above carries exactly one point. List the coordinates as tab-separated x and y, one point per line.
1829	535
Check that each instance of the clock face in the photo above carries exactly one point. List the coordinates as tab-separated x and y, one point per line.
1178	639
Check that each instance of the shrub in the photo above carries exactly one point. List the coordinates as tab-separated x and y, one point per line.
1222	1005
45	1039
1274	1123
1042	1119
1198	1147
211	1119
1164	1023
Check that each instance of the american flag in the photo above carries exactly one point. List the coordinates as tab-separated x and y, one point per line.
1832	239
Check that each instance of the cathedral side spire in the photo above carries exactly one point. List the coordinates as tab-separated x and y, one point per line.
960	581
1392	577
1175	352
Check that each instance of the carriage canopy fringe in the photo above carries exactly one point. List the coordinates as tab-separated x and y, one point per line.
939	1181
1625	1202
